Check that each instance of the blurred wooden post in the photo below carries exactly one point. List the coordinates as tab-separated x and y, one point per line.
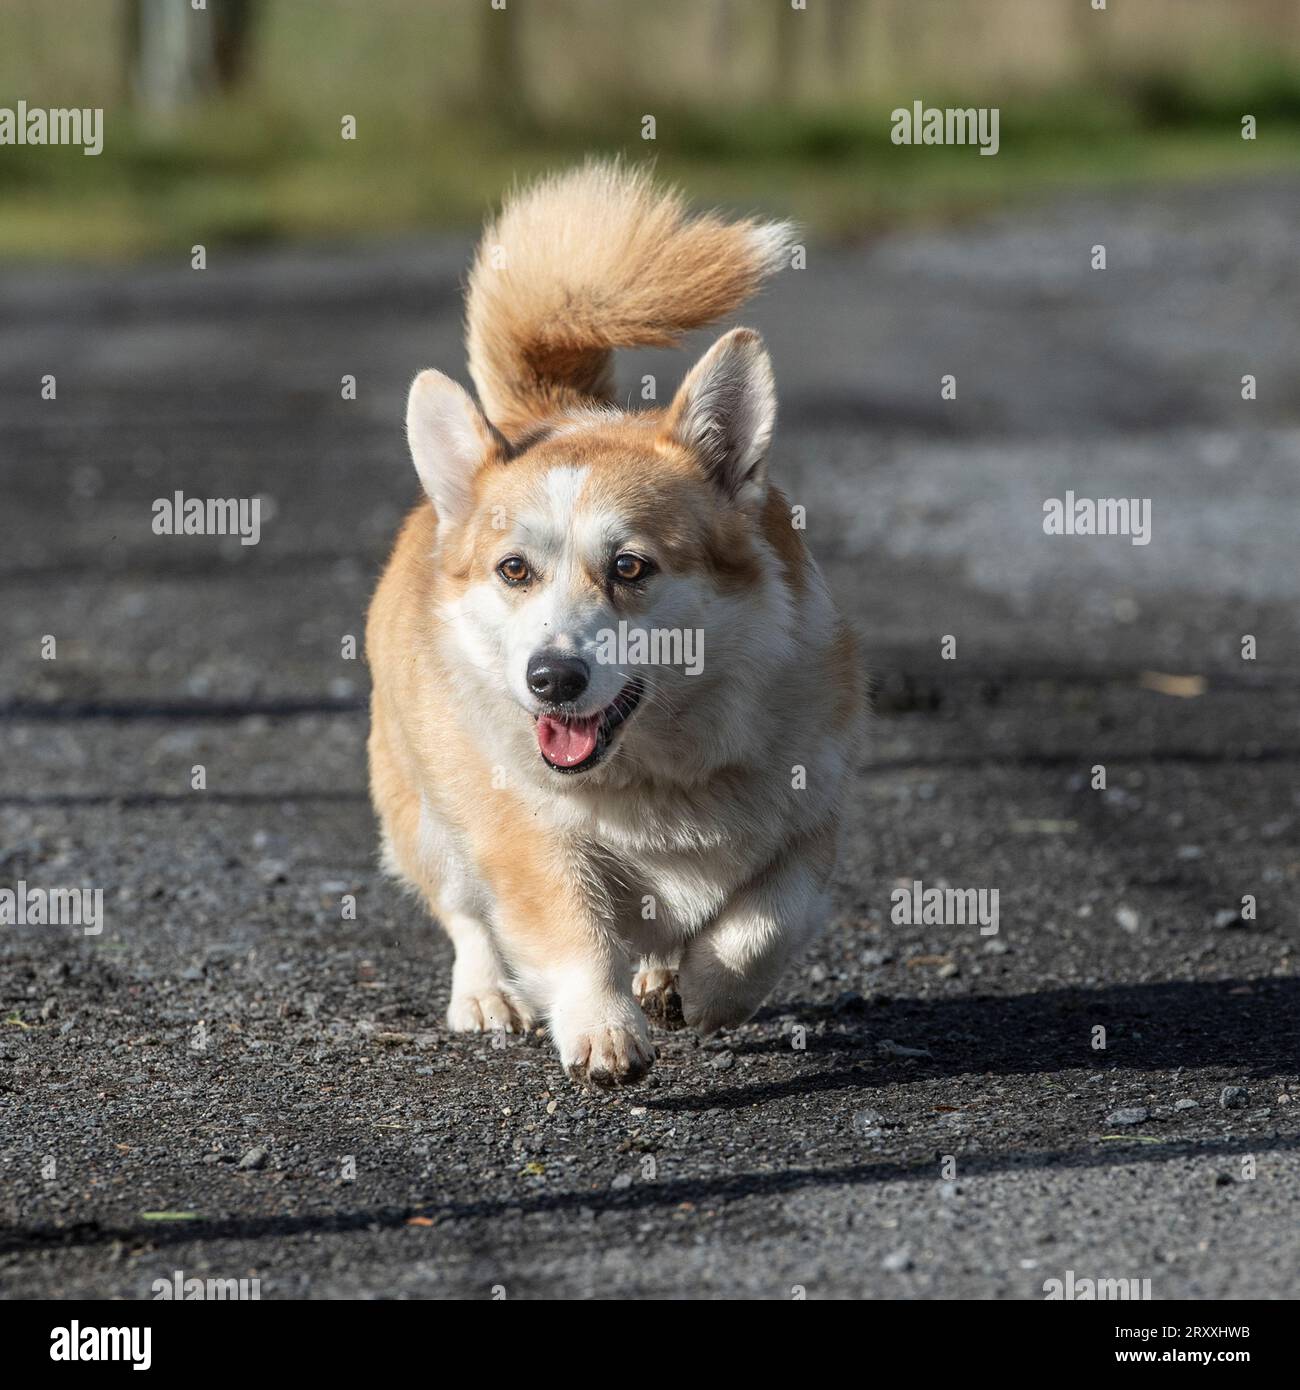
842	29
906	41
788	30
722	39
1088	37
176	53
501	66
876	65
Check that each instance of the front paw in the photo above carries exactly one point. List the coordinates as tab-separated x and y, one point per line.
487	1010
614	1053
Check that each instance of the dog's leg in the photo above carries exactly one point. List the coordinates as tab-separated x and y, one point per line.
417	850
569	960
730	967
481	1001
597	1024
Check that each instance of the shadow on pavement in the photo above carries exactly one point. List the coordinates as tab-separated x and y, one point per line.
1150	1027
639	1197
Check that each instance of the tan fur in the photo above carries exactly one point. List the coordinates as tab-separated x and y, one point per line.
591	260
540	878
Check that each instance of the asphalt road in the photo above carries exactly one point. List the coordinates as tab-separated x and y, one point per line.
232	1081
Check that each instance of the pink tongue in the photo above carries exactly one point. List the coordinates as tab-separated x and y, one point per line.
567	744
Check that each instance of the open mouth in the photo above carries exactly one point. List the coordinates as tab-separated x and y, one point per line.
573	745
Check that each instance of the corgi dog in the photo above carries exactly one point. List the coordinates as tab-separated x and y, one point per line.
604	828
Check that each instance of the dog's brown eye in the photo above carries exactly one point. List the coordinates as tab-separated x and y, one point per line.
514	570
630	568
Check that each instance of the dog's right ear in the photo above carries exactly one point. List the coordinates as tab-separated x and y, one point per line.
450	439
724	412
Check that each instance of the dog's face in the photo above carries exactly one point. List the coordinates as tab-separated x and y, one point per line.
591	576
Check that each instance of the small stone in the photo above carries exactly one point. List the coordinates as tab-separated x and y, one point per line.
867	1123
1228	917
890	1048
724	1060
1128	1115
1125	609
254	1159
1187	1105
996	947
897	1262
622	1182
1128	918
875	958
1234	1097
949	971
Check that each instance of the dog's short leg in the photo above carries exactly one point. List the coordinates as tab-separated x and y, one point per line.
555	931
577	972
731	966
598	1026
480	999
417	849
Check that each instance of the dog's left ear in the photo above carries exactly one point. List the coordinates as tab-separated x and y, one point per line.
724	413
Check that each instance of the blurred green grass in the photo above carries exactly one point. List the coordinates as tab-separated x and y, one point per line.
268	163
276	182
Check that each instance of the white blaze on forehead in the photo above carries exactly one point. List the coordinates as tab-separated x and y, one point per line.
554	522
563	488
546	514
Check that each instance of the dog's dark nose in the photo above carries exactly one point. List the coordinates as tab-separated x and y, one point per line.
557	678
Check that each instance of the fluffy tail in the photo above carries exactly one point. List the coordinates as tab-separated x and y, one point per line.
591	260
